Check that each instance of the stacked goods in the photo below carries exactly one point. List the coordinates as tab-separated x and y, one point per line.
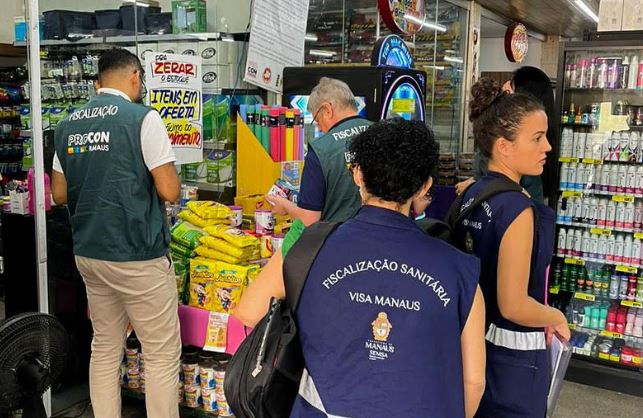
224	243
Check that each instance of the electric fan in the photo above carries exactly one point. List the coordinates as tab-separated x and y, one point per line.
33	353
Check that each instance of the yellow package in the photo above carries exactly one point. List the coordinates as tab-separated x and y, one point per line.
196	220
226	248
234	236
210	210
253	272
206	252
228	282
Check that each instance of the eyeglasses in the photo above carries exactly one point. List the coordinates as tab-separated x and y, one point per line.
314	122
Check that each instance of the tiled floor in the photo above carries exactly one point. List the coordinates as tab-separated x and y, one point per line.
575	401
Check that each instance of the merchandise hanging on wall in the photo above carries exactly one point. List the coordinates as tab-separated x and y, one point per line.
405	17
175	91
516	42
276	41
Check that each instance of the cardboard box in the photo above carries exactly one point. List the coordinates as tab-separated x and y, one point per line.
633	15
216	77
610	16
168	47
214	52
19	202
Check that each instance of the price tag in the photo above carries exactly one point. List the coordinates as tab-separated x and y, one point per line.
626	269
592	161
638	235
600	231
584	296
604	356
610	334
569	160
572	326
624	199
632	304
569	193
575	261
554	290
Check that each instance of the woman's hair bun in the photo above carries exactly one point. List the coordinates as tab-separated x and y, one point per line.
483	94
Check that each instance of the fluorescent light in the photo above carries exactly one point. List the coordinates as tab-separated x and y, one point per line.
439	28
435	67
311	37
227	38
587	10
322	53
454	59
138	3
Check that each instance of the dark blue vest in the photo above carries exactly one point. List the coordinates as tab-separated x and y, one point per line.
380	320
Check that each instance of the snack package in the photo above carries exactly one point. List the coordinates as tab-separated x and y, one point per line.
207	252
186	234
253	273
224	281
234	236
210	210
194	219
217	332
201	291
227	248
181	250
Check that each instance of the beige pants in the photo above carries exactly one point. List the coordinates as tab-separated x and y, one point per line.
143	293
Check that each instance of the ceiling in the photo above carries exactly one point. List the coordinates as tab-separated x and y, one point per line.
549	17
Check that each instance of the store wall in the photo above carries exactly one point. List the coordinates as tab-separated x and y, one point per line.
493	58
223	15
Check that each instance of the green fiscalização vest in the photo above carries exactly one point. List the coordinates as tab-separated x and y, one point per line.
342	195
115	211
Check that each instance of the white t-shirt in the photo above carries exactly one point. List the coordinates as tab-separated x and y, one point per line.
155	143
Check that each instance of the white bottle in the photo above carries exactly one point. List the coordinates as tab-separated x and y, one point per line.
632	78
579	144
579	182
587	209
627	250
636	252
567	142
575	144
577	216
589	147
572	168
564	176
618	249
630	180
610	220
601	215
611	247
593	211
560	212
620	216
593	247
570	242
628	224
602	248
585	244
613	178
616	146
622	178
625	147
562	242
605	178
634	146
578	242
638	190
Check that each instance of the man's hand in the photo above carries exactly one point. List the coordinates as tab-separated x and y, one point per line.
280	206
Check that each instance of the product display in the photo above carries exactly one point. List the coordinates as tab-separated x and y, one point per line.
597	274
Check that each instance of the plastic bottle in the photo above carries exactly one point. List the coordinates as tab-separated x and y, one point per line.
627	250
622	288
564	176
611	247
577	215
585	244
628	224
561	209
602	73
592	74
605	178
616	146
634	146
572	168
602	319
639	181
620	215
624	147
579	143
562	242
639	81
636	252
587	207
593	247
578	242
633	72
624	73
613	178
615	283
630	180
593	211
601	214
570	243
622	178
618	249
602	248
610	220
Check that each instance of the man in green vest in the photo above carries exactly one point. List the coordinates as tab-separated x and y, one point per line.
114	168
327	188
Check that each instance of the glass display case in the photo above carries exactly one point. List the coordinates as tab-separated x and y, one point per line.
597	274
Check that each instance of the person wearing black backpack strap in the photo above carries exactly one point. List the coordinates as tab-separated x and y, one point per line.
513	237
390	320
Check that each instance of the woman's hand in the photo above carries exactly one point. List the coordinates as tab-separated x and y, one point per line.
562	328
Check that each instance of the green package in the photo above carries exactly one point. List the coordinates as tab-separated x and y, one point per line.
187	235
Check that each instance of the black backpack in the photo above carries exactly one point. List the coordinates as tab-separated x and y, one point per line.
262	378
450	231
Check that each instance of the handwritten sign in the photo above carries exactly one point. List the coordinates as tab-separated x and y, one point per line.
175	91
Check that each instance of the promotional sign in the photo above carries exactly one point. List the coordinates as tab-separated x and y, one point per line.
402	16
516	42
175	91
392	51
276	41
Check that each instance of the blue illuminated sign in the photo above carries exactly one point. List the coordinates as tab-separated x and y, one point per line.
392	51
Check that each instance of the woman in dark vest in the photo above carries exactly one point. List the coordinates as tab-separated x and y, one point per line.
511	132
390	320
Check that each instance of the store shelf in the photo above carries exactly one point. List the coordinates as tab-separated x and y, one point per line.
590	126
602	229
617	197
206	186
184	409
590	371
581	261
211	36
604	91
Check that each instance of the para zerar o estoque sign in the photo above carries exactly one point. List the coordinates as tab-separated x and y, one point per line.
175	91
